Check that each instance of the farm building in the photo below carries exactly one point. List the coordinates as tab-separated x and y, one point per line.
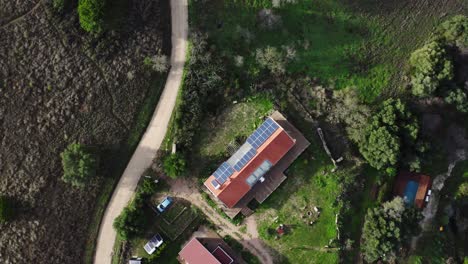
257	168
413	187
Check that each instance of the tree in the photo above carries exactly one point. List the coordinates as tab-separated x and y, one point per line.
386	228
455	30
91	14
174	165
6	209
462	191
430	67
457	97
389	129
348	109
79	165
272	59
131	222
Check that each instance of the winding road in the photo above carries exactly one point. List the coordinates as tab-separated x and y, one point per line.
153	137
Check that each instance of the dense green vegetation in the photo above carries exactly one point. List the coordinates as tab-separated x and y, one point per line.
387	228
132	221
322	39
174	165
389	131
6	209
79	165
455	30
91	14
431	68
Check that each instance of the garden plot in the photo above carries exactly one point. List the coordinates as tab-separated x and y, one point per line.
173	222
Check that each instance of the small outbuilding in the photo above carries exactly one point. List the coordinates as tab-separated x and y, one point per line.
414	188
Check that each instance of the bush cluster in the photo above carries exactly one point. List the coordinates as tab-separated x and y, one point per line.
386	228
202	91
91	14
79	165
431	67
174	165
132	221
455	31
390	129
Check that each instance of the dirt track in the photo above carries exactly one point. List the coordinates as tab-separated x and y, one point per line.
188	190
153	137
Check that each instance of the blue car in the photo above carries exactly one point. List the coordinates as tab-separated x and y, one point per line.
165	204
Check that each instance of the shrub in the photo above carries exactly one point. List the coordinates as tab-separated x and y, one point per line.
79	165
455	30
202	90
386	228
272	59
462	191
457	97
158	63
389	129
131	222
430	67
91	14
348	109
174	165
148	187
6	209
58	5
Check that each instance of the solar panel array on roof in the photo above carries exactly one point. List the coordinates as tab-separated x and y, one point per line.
262	133
242	156
215	184
223	173
244	159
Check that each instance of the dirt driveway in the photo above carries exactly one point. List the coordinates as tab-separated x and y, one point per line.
188	190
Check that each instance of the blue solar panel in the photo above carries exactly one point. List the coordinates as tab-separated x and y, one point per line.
262	133
215	184
223	173
246	158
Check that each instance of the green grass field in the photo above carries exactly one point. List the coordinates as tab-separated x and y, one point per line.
332	43
306	187
363	44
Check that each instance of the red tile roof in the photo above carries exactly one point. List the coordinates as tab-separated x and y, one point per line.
195	253
274	148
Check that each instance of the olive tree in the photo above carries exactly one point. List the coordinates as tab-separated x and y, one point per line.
271	58
79	165
386	228
430	67
391	127
458	98
455	30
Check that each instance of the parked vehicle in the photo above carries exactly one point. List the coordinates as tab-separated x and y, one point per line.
164	204
155	242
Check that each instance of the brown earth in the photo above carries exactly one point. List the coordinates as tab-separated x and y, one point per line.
58	85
